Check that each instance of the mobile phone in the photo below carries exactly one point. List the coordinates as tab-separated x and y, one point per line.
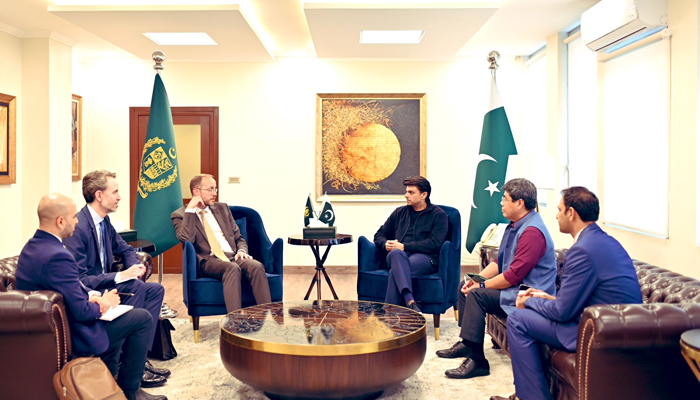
522	289
476	277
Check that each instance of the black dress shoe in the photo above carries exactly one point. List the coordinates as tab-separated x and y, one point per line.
470	368
157	371
457	350
511	397
414	307
141	395
150	379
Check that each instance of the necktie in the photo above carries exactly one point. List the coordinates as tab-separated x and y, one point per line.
103	256
211	238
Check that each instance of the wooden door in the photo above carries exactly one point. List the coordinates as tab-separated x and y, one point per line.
207	119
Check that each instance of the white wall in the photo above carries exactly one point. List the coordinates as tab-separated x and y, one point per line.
267	125
11	195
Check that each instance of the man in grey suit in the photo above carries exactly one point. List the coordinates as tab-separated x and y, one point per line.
222	253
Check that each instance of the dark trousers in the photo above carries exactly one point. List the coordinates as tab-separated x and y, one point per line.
527	330
130	333
229	273
473	309
146	295
402	268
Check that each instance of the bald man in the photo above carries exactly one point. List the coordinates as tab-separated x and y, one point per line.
45	264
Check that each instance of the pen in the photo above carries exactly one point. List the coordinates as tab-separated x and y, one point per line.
126	294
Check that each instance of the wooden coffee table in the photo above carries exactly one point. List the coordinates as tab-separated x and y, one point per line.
323	349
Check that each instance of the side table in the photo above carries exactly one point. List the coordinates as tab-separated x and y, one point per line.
690	348
298	240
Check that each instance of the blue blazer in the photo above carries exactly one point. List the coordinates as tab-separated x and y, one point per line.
45	264
597	270
85	246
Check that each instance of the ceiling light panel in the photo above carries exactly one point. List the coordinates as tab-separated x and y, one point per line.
180	38
391	37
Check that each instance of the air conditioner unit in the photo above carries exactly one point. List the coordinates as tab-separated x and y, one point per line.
612	21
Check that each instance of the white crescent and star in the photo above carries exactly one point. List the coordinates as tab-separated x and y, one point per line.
332	215
491	188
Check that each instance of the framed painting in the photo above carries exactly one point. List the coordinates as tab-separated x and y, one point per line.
77	136
367	144
8	132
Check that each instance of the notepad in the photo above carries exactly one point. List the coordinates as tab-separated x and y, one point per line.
115	312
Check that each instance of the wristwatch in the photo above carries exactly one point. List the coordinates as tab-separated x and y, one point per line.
482	285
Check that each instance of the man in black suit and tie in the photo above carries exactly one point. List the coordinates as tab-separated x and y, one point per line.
94	244
222	253
45	264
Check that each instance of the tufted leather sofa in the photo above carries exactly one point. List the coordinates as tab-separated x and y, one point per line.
34	336
624	351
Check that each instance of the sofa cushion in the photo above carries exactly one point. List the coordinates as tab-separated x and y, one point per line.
243	227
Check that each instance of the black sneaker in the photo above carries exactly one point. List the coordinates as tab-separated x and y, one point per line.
414	307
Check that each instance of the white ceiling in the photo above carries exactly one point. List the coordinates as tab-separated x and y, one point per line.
262	30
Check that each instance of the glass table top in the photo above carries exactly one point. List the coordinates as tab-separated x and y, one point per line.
316	327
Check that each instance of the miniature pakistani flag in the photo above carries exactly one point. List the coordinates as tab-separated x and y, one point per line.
327	214
308	211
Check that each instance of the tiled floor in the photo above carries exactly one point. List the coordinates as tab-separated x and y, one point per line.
296	283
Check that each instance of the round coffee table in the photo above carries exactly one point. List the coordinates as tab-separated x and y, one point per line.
323	349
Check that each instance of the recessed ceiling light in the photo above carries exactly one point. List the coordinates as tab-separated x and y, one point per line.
391	37
180	38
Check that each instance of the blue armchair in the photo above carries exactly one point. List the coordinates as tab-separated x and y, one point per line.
205	296
434	293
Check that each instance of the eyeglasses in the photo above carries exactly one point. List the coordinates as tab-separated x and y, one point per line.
504	198
210	190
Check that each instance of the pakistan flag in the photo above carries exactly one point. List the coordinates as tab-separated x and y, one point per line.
159	192
496	145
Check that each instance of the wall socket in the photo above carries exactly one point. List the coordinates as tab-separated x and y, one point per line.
234	179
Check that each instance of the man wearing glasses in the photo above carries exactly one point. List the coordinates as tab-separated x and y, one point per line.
526	256
222	253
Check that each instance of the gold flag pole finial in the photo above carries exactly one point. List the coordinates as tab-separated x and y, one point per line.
493	59
158	56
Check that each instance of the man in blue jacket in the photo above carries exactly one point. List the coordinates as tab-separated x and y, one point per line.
526	255
94	244
597	270
412	236
45	264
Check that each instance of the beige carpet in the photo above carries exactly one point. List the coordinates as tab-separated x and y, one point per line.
197	371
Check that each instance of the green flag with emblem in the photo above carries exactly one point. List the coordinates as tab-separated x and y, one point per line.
158	187
496	145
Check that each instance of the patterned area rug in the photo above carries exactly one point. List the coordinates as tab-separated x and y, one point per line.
197	371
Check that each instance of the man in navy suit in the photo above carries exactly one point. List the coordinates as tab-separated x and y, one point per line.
94	244
597	270
45	264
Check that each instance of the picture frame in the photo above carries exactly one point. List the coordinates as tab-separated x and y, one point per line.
368	143
8	135
76	137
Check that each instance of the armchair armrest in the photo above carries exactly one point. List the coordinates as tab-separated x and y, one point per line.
144	258
636	326
30	312
275	252
449	269
643	341
368	256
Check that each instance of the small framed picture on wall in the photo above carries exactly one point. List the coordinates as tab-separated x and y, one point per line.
77	136
8	125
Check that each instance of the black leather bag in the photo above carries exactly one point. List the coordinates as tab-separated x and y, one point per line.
163	348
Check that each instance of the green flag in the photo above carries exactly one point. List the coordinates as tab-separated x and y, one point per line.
159	191
496	145
308	211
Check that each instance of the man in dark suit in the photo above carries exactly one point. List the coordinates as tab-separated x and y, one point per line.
597	270
222	253
95	242
45	264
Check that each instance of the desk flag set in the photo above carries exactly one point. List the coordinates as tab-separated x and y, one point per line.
314	228
496	145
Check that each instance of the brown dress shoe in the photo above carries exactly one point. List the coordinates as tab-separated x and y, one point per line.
457	350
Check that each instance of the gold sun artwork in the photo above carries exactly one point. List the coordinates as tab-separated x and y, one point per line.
359	147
